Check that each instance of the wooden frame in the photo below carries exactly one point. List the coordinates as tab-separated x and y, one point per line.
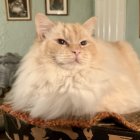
18	9
56	7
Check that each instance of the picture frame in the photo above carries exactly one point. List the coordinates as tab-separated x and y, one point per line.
18	10
56	7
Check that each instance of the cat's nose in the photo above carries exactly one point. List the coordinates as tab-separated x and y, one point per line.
76	52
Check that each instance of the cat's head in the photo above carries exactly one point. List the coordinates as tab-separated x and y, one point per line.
67	45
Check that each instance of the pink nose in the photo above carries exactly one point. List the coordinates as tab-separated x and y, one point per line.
76	52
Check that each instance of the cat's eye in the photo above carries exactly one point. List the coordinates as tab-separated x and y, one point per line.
83	43
61	42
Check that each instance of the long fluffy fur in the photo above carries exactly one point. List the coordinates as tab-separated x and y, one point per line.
50	84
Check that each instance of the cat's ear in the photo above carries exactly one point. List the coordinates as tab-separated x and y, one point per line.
43	25
89	25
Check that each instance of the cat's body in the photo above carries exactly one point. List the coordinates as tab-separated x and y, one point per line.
68	73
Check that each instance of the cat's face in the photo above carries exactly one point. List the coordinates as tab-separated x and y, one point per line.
69	45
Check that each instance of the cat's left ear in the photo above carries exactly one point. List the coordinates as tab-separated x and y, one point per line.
43	25
90	24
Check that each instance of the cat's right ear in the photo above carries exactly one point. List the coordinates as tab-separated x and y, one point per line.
89	25
43	25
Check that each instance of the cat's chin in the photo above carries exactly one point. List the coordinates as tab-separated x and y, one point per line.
70	66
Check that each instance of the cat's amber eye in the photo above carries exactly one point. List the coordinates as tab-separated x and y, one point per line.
61	41
83	43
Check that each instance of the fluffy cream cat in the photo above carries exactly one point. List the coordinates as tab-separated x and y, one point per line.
69	73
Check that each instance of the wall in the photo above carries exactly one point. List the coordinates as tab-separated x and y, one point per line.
132	24
17	36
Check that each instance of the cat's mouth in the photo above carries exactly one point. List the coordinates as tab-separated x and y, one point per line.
72	62
69	64
68	61
76	59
